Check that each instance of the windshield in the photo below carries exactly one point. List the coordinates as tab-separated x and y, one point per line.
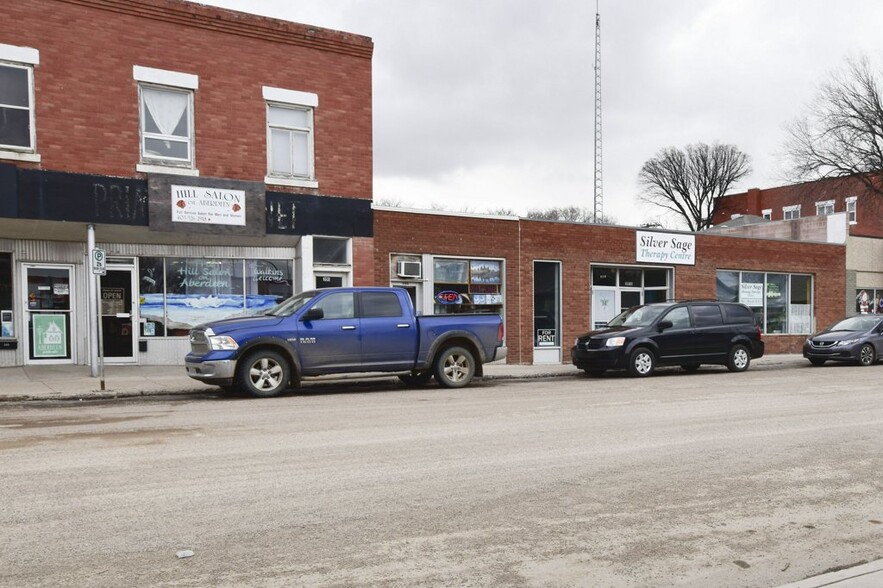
642	316
617	320
291	305
856	323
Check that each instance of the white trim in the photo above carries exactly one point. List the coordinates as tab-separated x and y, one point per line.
16	156
20	54
767	213
291	182
290	96
165	77
161	169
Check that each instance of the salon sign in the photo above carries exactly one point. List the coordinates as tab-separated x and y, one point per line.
665	248
213	206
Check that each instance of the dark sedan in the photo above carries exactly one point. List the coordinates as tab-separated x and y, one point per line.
855	339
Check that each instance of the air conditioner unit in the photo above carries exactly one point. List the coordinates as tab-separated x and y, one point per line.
408	269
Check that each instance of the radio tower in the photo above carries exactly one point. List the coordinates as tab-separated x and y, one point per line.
599	196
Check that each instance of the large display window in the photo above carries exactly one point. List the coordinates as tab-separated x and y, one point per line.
467	285
869	301
782	303
177	294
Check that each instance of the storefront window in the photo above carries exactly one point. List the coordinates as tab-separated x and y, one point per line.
869	301
782	303
6	323
604	276
329	250
467	285
546	304
177	294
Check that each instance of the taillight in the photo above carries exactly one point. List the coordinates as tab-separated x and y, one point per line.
500	333
757	328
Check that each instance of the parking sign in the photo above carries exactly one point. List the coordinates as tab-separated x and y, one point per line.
99	261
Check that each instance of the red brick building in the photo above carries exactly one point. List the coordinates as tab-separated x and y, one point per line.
552	281
864	209
218	159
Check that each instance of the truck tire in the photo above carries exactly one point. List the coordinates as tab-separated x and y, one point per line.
416	379
454	367
263	373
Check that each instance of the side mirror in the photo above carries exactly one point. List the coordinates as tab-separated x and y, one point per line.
313	314
663	325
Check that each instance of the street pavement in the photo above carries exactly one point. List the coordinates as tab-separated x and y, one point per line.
74	382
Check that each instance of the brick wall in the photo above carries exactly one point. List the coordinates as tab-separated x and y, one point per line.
578	246
869	205
87	100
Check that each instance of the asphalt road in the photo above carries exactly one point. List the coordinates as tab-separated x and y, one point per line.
706	479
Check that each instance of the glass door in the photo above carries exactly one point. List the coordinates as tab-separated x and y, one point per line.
117	319
48	313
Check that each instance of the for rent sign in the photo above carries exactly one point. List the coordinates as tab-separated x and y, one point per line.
218	206
665	248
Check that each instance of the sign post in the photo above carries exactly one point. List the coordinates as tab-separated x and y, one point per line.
99	268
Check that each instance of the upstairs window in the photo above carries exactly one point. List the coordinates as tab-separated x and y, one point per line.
791	212
851	212
767	213
290	137
17	126
166	111
825	208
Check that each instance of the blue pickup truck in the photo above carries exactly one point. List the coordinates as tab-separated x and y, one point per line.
343	330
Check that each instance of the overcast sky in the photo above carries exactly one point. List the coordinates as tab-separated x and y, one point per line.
489	104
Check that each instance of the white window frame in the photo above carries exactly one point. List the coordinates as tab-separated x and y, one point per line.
852	209
295	100
170	81
26	58
767	213
788	212
824	207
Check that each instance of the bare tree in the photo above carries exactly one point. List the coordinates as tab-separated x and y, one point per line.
842	134
688	181
573	214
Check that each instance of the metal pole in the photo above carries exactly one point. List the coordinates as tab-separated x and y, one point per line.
93	303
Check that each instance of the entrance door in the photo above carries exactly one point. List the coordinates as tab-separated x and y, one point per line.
117	319
48	313
628	299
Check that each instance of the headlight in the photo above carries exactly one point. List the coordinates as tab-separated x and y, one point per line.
576	342
615	342
847	342
220	342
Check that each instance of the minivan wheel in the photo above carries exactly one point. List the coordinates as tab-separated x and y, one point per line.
641	362
866	355
739	359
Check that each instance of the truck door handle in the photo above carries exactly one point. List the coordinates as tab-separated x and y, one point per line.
402	325
348	328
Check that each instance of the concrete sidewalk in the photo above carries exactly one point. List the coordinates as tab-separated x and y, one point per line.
74	382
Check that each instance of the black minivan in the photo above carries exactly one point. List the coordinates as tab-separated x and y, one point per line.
687	334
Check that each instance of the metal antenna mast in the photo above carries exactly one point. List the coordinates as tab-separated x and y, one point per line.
599	196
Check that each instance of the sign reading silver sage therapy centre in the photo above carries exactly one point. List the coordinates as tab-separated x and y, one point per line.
215	206
665	248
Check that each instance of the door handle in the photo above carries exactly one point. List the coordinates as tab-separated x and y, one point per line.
402	325
348	328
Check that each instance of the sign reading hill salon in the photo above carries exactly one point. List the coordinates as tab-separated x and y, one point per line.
216	206
665	248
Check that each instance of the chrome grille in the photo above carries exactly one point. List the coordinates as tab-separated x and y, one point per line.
821	344
198	342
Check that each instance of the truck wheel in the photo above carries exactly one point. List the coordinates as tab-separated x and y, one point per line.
641	362
454	367
416	379
263	373
738	359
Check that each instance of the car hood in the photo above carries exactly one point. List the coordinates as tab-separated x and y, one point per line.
245	322
608	332
838	335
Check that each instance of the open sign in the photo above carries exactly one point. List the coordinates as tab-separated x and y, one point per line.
448	297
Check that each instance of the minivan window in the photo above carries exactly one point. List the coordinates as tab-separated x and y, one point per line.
737	313
642	316
679	317
707	315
